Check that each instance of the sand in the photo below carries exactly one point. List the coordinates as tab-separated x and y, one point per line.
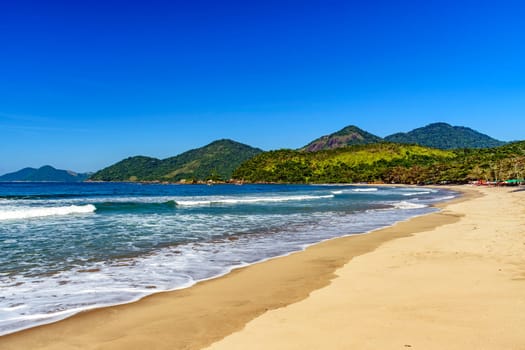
459	286
450	280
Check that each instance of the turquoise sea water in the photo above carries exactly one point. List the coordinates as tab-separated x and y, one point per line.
72	247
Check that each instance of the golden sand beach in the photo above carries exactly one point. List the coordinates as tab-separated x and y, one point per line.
448	280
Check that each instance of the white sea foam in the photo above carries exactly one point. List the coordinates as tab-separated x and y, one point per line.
445	198
13	308
371	189
248	200
416	193
416	189
209	245
188	201
27	213
408	205
29	301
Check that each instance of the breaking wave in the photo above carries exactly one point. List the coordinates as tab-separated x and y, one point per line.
28	213
218	201
372	189
416	193
408	205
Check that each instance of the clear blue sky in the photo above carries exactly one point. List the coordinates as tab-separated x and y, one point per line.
84	84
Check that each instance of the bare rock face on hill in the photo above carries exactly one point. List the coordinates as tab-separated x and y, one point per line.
348	136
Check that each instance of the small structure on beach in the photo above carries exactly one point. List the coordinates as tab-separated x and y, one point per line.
515	182
510	182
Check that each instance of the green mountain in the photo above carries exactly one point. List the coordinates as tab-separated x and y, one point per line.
386	162
445	136
348	136
215	161
130	169
341	165
44	174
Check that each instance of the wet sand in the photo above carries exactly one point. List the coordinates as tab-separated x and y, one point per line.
368	291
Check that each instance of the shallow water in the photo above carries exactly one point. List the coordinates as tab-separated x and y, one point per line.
72	247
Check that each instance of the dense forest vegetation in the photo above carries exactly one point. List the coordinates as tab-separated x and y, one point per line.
385	162
349	155
445	136
215	161
436	135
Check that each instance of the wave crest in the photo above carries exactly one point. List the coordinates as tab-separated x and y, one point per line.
416	193
408	205
249	200
371	189
51	211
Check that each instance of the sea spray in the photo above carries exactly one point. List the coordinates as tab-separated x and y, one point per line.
26	213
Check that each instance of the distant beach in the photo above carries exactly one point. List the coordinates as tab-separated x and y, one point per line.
452	279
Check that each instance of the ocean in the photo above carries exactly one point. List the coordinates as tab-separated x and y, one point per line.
67	248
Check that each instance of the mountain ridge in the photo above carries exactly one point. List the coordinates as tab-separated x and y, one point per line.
347	136
219	159
445	136
439	135
214	161
46	173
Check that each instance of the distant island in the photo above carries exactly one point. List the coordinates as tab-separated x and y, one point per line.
44	174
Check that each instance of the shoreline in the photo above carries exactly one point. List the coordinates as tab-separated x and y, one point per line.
58	316
291	284
455	286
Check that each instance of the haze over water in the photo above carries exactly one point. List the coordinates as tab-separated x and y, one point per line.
72	247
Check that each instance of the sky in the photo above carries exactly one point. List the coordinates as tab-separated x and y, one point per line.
84	84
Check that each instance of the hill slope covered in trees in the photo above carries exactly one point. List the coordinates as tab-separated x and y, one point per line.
385	162
445	136
215	161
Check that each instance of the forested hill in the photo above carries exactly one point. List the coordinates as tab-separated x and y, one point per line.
385	162
349	164
43	174
215	161
445	136
348	136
